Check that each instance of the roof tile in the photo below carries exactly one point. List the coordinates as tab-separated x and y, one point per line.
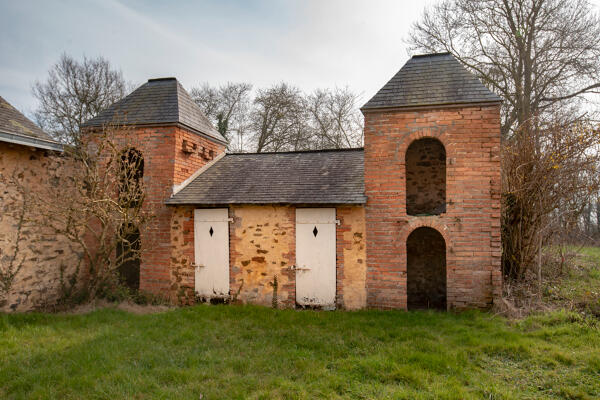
311	177
431	79
158	101
12	121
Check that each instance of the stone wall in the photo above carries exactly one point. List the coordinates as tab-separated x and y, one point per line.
471	223
262	245
351	258
37	284
426	269
262	242
426	177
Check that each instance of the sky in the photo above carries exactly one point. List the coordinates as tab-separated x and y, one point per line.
309	43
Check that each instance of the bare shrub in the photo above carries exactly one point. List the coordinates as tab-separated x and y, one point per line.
98	206
549	176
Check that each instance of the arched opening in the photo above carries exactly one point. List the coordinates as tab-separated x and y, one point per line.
426	269
128	256
131	172
426	177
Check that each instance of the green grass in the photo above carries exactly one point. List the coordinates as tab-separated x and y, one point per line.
234	352
580	286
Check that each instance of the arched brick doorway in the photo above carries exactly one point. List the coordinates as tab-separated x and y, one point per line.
426	177
127	253
426	269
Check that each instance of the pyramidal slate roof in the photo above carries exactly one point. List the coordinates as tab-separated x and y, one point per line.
17	128
431	79
158	101
309	177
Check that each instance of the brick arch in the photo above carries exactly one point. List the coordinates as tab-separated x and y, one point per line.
426	269
430	133
445	231
426	222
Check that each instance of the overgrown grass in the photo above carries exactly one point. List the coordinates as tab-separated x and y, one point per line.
580	286
234	352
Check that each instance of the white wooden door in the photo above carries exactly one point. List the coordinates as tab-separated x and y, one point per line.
315	257
211	248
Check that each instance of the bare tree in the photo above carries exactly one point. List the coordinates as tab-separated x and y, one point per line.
98	206
335	118
282	117
536	54
74	92
278	119
227	107
208	98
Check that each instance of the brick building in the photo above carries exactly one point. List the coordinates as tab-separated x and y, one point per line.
410	221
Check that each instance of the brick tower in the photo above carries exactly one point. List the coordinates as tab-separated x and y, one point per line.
432	179
175	139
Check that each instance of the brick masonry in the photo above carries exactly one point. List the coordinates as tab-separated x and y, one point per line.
471	224
167	162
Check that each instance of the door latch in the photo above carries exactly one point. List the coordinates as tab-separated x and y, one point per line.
297	268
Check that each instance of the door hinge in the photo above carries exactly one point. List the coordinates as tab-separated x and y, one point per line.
297	268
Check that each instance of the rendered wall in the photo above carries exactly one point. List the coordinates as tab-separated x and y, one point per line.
262	244
37	284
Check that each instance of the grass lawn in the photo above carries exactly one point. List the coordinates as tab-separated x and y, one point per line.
580	287
234	352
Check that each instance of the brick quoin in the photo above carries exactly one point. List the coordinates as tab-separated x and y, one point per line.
471	223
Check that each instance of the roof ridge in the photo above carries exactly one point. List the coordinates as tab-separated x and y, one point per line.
177	86
298	151
443	53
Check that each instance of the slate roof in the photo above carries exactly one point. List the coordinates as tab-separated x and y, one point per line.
158	101
310	177
17	128
431	79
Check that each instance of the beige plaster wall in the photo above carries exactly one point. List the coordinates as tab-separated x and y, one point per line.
351	258
262	245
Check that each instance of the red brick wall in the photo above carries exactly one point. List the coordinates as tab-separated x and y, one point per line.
471	223
187	163
165	165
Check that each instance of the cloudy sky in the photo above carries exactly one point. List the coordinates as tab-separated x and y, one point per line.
309	43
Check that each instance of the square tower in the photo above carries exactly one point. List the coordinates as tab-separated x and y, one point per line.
174	139
432	180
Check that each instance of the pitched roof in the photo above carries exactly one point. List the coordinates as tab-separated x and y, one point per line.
431	79
17	128
158	101
310	177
